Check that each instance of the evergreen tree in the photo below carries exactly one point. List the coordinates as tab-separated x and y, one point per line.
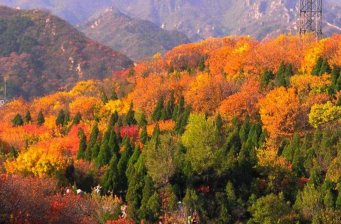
110	179
28	117
17	121
182	120
143	120
157	113
179	109
92	141
154	207
104	154
60	118
156	132
135	176
67	118
95	150
113	119
266	78
113	143
147	193
144	135
130	117
169	108
40	119
317	68
325	67
123	164
77	119
82	144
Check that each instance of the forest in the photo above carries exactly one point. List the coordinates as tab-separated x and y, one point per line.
226	130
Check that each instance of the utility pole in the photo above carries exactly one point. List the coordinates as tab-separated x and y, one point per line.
311	12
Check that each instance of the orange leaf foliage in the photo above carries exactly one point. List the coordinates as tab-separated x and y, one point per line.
279	110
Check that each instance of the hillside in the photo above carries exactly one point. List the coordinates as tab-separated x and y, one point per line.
138	39
40	53
198	19
226	130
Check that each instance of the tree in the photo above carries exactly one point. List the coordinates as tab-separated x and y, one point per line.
111	177
159	158
17	121
144	135
92	142
82	144
157	113
130	117
148	190
77	119
200	139
266	78
28	117
279	110
324	113
271	209
104	154
40	119
60	118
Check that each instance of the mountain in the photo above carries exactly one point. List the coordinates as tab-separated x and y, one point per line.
41	53
138	39
197	19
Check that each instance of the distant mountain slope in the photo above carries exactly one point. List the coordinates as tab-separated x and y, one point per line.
198	19
138	39
203	18
40	53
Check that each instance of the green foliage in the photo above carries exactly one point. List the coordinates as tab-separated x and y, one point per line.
266	78
159	158
324	113
77	119
130	116
17	121
28	118
61	118
92	142
271	209
110	180
40	118
82	144
104	155
200	139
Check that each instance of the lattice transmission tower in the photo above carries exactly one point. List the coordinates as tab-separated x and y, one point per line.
311	12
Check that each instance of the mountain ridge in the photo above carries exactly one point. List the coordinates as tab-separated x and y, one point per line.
198	19
41	53
138	39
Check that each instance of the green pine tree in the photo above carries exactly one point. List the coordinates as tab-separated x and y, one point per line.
157	113
317	68
325	67
110	179
92	141
17	120
40	118
60	118
77	119
104	154
82	144
144	135
28	118
266	78
130	117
